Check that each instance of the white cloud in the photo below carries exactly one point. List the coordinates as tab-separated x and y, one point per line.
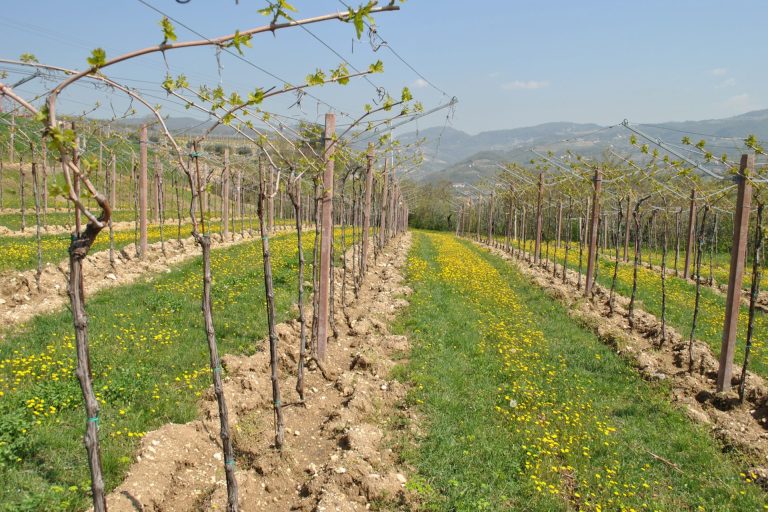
738	103
718	72
420	83
525	84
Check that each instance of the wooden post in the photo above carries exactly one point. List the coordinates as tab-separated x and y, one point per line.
592	254
44	188
101	161
738	252
626	229
393	200
22	179
143	192
271	200
225	195
691	234
12	142
156	195
384	206
514	232
559	222
537	248
113	183
326	234
490	221
202	179
239	202
367	210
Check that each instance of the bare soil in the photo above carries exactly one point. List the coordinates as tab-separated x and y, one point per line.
739	426
336	455
20	298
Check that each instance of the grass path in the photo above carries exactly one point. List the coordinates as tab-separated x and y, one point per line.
150	365
525	410
680	299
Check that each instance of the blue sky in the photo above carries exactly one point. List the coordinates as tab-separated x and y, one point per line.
510	63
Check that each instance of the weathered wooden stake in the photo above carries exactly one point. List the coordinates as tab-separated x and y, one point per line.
691	233
490	220
113	182
225	196
559	224
738	251
592	254
143	192
384	205
367	211
537	248
626	229
326	234
156	190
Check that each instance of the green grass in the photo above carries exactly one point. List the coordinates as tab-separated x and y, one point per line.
150	365
12	220
680	300
480	453
20	252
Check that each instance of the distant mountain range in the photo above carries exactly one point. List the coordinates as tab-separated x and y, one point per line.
458	157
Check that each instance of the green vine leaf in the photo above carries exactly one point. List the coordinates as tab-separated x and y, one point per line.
376	67
168	83
256	97
278	10
359	16
235	99
241	40
318	78
169	33
28	57
181	82
98	58
341	74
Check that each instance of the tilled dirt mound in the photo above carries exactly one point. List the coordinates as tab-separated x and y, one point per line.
335	456
20	299
743	426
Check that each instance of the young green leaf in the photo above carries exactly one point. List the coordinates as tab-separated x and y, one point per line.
376	67
98	58
256	97
341	74
169	33
241	40
318	78
168	83
181	82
